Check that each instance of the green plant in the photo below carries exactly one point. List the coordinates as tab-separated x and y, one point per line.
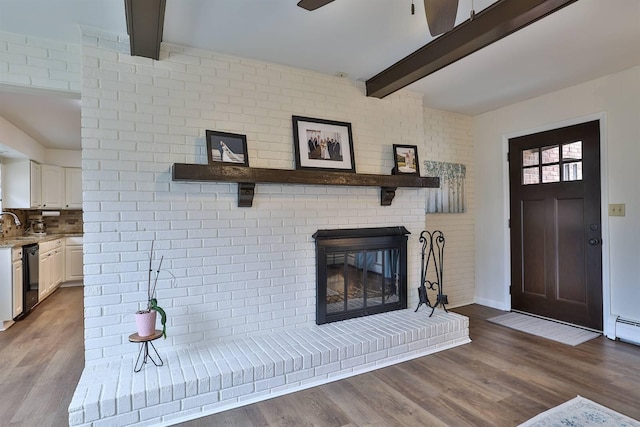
153	305
152	302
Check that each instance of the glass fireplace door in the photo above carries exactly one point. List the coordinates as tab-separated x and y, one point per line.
360	272
358	281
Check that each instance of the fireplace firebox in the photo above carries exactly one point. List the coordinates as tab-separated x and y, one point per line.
360	272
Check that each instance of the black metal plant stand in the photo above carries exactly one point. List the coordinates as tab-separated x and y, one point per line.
432	251
144	354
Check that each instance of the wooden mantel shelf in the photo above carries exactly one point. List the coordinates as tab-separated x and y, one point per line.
247	178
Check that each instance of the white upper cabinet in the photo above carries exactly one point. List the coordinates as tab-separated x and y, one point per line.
21	184
73	188
29	185
36	185
52	187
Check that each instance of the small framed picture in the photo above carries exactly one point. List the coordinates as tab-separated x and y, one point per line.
323	144
223	147
405	158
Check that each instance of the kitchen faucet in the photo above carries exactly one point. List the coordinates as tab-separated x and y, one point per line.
15	217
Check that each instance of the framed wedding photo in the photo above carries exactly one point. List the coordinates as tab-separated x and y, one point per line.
405	159
323	144
229	148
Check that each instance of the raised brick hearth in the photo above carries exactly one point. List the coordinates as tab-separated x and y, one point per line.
208	378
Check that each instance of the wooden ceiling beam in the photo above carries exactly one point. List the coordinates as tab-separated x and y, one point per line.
145	22
490	25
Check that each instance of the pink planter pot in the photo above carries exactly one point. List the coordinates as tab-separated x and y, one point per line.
146	323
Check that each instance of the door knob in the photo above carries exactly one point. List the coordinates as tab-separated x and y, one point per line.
594	242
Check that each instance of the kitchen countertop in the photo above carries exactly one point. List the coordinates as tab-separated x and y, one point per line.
16	242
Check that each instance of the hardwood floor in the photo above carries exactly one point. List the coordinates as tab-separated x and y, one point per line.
502	378
41	359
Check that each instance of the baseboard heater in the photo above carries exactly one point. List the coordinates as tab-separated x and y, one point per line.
628	331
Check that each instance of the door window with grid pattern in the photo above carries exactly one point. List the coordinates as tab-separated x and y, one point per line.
554	163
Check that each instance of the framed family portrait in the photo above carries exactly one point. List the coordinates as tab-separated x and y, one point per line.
405	159
230	148
323	144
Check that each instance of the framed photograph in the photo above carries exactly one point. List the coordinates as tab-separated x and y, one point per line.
323	144
405	158
223	147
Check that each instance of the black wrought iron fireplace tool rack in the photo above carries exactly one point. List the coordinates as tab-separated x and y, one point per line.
432	252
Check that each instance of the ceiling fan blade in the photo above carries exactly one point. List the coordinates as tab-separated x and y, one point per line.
441	15
313	4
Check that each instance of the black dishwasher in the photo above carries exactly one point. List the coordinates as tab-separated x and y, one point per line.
30	263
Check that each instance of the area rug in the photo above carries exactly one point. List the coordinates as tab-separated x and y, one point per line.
560	332
580	412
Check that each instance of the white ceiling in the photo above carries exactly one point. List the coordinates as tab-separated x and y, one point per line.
586	40
52	119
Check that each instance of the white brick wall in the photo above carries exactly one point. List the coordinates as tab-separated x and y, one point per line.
151	114
449	139
39	63
239	270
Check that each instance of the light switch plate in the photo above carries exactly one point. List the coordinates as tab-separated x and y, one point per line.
616	209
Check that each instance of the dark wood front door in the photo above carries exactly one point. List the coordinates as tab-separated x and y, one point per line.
556	252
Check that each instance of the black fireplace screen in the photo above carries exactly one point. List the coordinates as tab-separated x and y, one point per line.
360	272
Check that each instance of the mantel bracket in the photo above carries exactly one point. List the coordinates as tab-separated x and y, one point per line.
246	190
386	195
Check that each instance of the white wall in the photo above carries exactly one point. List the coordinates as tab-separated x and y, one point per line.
64	158
616	98
449	139
19	143
239	270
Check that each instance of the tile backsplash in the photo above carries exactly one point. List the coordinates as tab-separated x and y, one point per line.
9	227
69	221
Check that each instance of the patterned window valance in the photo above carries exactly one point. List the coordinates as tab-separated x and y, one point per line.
449	198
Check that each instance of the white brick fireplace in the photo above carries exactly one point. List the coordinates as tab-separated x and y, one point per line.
241	272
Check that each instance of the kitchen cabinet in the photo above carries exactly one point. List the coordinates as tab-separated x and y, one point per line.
73	188
21	184
51	267
73	259
57	263
45	275
52	187
17	282
36	184
6	288
58	267
29	185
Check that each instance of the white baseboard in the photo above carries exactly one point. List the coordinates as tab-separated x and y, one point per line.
72	284
628	331
493	304
6	325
